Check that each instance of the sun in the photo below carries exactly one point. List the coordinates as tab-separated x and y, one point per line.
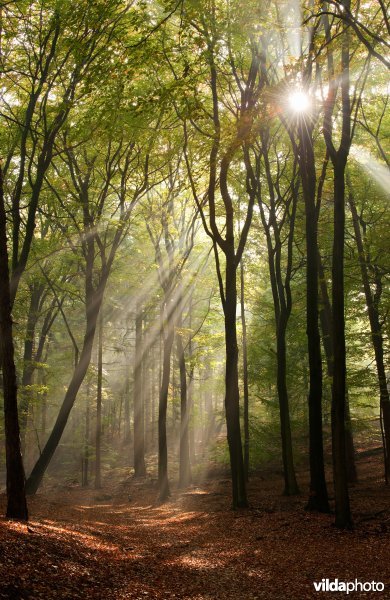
299	101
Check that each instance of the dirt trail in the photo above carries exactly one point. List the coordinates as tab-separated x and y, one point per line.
84	544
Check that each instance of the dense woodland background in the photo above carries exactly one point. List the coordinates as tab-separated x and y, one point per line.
194	249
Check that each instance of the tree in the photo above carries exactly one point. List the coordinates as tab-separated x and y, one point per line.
280	209
49	67
99	390
318	495
171	232
372	303
339	161
139	413
184	458
16	497
98	248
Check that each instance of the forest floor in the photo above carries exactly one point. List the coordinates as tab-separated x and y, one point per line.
118	543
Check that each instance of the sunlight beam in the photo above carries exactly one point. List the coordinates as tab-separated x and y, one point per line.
378	171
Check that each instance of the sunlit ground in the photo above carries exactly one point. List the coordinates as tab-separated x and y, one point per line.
194	546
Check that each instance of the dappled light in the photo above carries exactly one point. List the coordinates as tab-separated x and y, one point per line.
194	299
373	167
192	547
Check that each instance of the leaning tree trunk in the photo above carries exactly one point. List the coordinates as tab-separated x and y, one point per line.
318	495
376	336
16	497
232	395
139	415
93	306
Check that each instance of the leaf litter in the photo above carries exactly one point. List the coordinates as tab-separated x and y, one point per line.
121	544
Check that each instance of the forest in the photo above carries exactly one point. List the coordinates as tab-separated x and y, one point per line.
194	298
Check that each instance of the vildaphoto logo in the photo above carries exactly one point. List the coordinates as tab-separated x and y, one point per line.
335	585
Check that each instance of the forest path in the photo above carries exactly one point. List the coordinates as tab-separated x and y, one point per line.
84	544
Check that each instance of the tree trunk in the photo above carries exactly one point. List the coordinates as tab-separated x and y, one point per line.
16	497
93	306
153	392
290	483
282	301
139	416
190	388
376	336
349	443
184	462
28	368
318	495
43	402
326	327
343	513
146	389
163	483
85	472
126	411
245	372
232	395
98	432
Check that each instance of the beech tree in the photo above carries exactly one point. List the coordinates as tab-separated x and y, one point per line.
278	215
187	164
228	143
172	236
119	180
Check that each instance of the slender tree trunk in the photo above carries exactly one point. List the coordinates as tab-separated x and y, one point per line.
282	313
349	443
86	441
28	368
184	462
139	416
281	293
93	306
43	403
245	371
98	432
119	421
339	160
146	388
126	411
192	431
190	389
325	317
318	495
154	392
376	336
326	327
16	497
232	395
290	483
343	512
163	483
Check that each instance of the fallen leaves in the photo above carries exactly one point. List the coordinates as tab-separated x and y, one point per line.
194	547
